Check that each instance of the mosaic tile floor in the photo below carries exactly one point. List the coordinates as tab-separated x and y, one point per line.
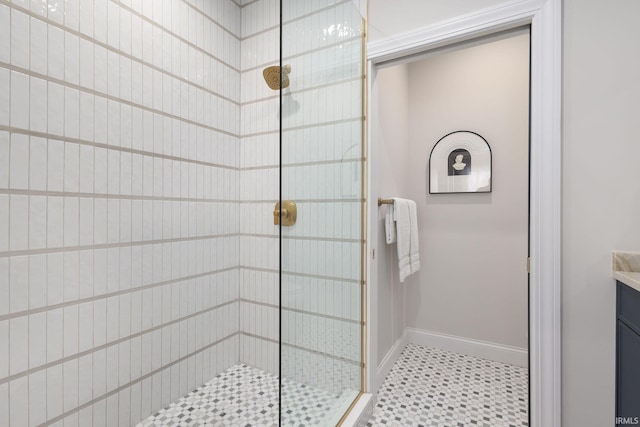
430	387
245	396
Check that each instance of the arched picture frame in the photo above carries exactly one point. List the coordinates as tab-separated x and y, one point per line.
460	162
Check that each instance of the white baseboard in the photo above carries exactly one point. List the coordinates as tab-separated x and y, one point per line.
389	360
485	350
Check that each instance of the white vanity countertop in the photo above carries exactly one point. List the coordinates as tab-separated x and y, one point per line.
626	268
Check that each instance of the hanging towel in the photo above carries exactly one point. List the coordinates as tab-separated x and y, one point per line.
390	224
403	230
405	213
414	254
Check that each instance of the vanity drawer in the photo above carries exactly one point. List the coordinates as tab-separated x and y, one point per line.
629	306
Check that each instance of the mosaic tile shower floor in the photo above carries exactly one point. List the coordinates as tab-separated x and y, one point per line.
245	396
430	387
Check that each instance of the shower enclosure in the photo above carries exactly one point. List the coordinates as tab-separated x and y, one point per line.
181	199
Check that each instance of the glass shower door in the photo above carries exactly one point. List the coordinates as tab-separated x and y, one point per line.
321	122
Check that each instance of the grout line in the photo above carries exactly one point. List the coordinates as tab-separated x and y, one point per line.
248	3
131	383
300	164
117	99
303	90
117	51
297	310
291	273
79	141
297	347
164	29
297	18
306	52
111	344
129	291
10	191
210	19
112	245
310	126
348	200
311	238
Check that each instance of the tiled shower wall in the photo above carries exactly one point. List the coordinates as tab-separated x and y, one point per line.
119	214
259	160
322	121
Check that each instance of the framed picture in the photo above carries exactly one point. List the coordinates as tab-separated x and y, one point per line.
460	162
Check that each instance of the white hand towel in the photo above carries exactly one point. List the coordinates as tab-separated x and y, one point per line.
390	225
403	229
414	253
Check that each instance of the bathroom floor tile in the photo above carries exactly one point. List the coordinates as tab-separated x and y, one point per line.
431	387
245	396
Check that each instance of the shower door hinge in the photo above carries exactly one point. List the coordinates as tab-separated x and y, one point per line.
529	265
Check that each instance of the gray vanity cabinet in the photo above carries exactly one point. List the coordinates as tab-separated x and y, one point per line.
628	354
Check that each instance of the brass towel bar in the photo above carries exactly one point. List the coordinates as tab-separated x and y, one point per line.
384	201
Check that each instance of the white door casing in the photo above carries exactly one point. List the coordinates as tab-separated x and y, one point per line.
545	19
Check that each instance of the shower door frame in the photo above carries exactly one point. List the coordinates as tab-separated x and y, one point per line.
545	20
346	418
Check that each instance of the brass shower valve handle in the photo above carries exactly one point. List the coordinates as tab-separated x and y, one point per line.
277	213
287	213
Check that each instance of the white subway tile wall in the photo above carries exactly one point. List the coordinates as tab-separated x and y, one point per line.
321	154
139	155
119	206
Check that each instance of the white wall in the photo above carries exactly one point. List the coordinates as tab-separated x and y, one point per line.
600	206
473	247
387	18
601	195
118	243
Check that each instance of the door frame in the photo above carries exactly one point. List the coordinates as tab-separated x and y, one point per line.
545	19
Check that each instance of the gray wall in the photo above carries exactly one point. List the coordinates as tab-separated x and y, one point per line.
600	190
391	153
473	247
